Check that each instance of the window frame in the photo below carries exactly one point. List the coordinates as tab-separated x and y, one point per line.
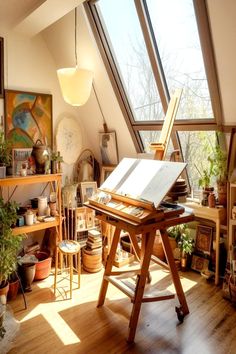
108	57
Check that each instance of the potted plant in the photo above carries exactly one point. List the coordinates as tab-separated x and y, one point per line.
218	161
9	244
186	246
204	182
5	154
181	235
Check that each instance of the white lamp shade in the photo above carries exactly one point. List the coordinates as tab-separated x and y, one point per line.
75	85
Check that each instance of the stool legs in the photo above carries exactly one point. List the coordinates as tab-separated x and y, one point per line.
56	268
69	263
79	267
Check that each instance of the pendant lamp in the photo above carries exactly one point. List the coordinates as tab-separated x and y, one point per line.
75	83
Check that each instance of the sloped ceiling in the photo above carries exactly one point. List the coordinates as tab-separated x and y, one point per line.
33	16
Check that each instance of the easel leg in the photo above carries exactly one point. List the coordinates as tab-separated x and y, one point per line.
174	272
147	246
109	264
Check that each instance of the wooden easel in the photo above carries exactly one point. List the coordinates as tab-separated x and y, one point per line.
119	278
161	147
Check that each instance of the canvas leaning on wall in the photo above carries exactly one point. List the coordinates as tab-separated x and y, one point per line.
108	148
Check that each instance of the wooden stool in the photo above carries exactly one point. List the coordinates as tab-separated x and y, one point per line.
68	248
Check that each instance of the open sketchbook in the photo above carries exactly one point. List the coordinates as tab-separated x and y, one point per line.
144	180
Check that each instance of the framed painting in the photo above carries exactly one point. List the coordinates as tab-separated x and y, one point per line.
22	157
28	118
86	190
204	239
105	172
1	67
199	263
108	148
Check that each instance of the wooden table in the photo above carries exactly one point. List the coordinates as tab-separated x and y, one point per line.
119	278
217	215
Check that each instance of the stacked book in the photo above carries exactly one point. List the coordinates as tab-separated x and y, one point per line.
94	242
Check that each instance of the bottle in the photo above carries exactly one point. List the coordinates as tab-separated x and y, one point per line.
211	200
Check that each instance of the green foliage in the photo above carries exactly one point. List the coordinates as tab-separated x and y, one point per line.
9	243
5	150
218	161
205	179
181	234
55	156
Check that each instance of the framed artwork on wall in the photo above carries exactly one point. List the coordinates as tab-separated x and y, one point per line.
22	157
1	67
108	148
28	118
204	239
86	190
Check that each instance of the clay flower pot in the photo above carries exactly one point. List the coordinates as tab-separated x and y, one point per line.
43	266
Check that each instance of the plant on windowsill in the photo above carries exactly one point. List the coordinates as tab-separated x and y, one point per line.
218	161
204	182
9	247
5	154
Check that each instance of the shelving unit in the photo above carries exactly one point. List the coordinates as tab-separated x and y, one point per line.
231	221
55	183
218	216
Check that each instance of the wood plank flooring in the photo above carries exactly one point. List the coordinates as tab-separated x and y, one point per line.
59	325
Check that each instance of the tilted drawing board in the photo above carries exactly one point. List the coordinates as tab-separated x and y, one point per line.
137	187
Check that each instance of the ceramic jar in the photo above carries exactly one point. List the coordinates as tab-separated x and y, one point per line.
29	218
41	155
42	205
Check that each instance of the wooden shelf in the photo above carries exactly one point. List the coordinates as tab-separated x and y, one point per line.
15	181
31	179
35	227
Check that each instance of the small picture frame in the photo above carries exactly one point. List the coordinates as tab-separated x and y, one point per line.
105	172
204	239
199	264
21	158
87	189
108	148
80	219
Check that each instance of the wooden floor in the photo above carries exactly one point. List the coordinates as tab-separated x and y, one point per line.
58	325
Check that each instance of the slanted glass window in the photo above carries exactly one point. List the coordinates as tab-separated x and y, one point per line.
177	38
126	40
196	147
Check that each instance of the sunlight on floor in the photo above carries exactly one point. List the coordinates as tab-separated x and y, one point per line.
51	310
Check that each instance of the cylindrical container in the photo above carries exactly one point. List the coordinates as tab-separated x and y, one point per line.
43	266
29	218
211	200
42	205
92	263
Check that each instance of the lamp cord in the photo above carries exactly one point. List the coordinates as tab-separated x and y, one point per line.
100	108
76	59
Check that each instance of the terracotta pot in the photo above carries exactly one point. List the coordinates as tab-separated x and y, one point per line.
13	289
3	294
43	267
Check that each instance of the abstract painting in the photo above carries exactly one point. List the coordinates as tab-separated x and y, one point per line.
28	118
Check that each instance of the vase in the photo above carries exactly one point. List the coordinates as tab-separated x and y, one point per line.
27	273
41	156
